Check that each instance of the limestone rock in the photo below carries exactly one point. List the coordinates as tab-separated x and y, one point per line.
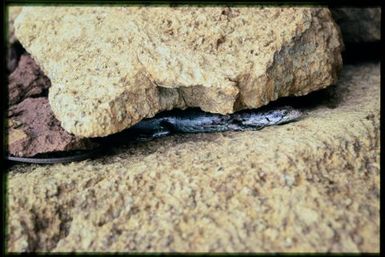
33	129
359	25
110	67
308	186
26	80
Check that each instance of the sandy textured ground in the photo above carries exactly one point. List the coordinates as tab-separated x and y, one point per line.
313	185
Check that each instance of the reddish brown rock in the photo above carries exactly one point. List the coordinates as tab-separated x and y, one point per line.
33	129
26	80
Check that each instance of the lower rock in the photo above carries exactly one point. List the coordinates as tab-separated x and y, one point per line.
33	129
307	186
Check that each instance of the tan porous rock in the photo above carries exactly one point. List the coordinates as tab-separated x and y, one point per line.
110	67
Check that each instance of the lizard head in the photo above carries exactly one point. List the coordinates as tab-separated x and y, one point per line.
285	114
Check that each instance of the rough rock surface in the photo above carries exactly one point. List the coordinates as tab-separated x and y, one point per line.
359	25
13	46
33	129
144	60
13	11
27	80
312	185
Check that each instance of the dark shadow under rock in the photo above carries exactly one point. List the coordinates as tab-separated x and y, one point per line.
356	53
329	97
358	24
14	51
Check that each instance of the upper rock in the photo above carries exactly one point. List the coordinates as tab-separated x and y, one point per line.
110	67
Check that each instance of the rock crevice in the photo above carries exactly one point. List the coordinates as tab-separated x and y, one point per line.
216	63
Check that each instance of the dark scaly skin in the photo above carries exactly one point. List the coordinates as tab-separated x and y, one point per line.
192	121
201	122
